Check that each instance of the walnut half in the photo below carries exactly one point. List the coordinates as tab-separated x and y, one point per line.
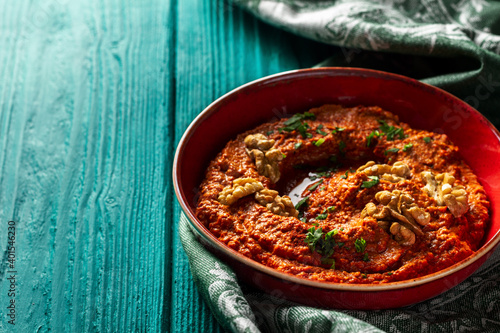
392	173
402	235
240	188
399	211
440	187
279	205
266	159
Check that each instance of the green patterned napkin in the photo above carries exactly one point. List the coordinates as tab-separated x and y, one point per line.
451	44
454	45
472	306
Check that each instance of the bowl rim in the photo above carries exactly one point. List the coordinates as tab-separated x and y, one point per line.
486	249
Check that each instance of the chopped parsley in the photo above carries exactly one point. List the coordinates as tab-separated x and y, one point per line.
296	123
325	212
312	237
322	216
371	136
319	142
320	131
389	273
344	176
370	183
391	150
322	188
365	257
284	155
299	117
315	185
322	243
360	245
427	139
408	147
338	129
297	145
301	203
329	243
390	131
330	209
269	132
324	173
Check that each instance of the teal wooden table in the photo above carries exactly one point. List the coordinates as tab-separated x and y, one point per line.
94	97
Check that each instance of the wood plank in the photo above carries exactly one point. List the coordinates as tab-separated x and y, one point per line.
87	131
84	124
220	47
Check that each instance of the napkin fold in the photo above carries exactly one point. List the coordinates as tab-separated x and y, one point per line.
450	44
472	306
454	45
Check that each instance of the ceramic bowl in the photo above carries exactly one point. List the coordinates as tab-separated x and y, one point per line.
418	104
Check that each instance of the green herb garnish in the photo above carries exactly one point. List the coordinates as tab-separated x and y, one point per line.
302	202
408	147
322	216
319	142
327	246
323	173
322	243
322	188
338	129
284	155
269	133
391	150
344	176
297	145
360	245
330	209
315	185
370	183
321	132
299	117
371	136
427	139
365	257
312	237
391	131
296	123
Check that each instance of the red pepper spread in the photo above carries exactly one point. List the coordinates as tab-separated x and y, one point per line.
348	195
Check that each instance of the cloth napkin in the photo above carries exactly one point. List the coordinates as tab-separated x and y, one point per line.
454	45
472	306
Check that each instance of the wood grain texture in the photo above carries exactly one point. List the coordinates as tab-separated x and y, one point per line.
95	96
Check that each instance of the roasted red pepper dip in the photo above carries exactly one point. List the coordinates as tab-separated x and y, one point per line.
346	195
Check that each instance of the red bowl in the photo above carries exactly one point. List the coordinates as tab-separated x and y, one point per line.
418	104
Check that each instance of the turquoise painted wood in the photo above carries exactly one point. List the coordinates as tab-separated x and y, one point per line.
94	97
